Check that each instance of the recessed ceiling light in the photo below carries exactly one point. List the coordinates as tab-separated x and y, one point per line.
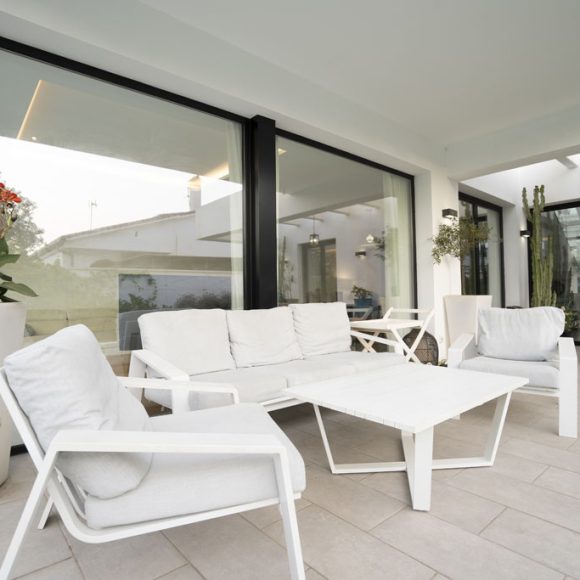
281	151
33	138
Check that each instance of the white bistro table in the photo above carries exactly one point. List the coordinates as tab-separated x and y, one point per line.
413	398
394	326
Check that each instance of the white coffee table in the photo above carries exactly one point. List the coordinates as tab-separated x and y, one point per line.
413	398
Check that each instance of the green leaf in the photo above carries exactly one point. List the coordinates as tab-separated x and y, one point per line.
5	277
3	246
18	288
8	259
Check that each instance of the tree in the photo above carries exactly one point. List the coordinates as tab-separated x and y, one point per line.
25	236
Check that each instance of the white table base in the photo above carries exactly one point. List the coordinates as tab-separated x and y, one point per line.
418	451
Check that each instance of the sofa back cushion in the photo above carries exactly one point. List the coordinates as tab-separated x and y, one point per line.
262	337
321	328
64	382
195	341
520	334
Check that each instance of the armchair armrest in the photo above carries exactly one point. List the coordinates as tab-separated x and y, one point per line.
178	385
567	349
462	349
398	348
165	442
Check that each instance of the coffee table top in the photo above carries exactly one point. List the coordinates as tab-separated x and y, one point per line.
411	397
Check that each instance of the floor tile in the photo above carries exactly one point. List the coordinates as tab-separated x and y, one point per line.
538	540
41	548
543	454
340	551
65	570
312	574
453	505
139	558
517	467
184	573
268	515
537	501
231	547
356	503
559	480
455	552
21	475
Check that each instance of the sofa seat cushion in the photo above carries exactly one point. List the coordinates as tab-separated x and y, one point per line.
321	328
195	341
301	372
262	337
362	361
64	382
254	384
520	334
181	484
540	373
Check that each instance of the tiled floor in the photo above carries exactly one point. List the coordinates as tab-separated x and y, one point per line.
519	519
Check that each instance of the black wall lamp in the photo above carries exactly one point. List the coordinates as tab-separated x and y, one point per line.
525	233
449	213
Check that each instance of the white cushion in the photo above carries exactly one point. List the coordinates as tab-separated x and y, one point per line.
195	341
65	382
254	384
362	361
539	373
262	337
185	484
520	334
302	372
321	328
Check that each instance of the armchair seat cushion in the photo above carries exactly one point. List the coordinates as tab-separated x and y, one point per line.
542	374
181	484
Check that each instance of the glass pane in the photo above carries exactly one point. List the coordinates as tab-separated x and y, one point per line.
342	224
469	260
490	256
131	203
563	229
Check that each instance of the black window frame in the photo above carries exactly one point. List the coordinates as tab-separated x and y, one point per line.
259	171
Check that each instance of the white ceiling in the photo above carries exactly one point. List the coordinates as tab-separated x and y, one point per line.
448	69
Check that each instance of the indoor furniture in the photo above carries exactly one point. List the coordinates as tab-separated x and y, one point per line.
112	472
414	399
527	343
260	352
388	324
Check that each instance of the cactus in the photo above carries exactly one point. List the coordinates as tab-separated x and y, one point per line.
542	262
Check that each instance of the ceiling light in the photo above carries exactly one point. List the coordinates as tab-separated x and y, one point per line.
281	151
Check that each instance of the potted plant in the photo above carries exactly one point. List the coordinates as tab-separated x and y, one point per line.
12	313
362	297
458	238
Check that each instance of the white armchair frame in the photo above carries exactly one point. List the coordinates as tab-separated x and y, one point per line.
50	480
143	361
567	394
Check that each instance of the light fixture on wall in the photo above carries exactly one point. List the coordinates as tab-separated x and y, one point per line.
372	239
525	233
314	237
449	213
361	254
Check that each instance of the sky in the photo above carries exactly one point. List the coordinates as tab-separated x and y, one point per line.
63	183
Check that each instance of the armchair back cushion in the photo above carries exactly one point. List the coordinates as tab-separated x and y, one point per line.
321	328
195	341
64	382
262	337
527	334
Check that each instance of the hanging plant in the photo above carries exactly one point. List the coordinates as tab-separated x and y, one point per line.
458	238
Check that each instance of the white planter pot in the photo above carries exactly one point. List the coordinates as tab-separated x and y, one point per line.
12	321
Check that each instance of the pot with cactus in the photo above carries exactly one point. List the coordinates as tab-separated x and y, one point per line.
12	312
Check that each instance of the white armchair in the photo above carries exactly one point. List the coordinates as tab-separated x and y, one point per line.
111	472
526	343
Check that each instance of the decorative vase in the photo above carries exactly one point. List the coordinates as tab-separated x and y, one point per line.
12	321
363	302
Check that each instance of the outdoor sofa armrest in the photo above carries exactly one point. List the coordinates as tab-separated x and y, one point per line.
180	389
462	349
143	359
398	348
567	349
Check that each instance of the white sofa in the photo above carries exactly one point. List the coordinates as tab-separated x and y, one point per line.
259	352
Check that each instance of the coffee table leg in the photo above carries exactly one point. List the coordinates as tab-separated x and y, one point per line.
418	449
